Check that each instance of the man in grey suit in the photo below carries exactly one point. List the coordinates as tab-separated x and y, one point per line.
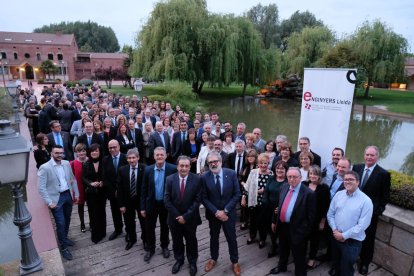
59	137
57	184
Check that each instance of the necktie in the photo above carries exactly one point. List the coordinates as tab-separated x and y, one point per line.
182	187
365	179
89	140
59	139
238	164
286	205
115	160
133	135
218	186
133	184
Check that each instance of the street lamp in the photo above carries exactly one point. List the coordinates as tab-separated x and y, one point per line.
14	164
11	88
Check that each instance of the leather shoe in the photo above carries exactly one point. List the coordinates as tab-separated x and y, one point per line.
114	235
210	265
67	255
332	271
236	269
129	245
193	269
166	252
277	270
250	241
363	270
69	242
176	267
261	244
148	256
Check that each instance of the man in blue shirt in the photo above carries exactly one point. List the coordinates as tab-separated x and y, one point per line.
152	202
349	216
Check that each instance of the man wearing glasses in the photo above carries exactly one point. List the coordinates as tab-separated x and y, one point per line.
221	192
349	215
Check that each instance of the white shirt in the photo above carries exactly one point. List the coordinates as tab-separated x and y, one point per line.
60	171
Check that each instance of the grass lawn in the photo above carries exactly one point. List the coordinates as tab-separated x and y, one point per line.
394	100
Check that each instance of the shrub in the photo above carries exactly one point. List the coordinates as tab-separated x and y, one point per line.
402	190
71	83
86	82
40	81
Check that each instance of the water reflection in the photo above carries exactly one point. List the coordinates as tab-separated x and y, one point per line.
281	116
10	243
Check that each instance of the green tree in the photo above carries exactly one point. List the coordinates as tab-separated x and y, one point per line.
47	67
380	52
266	21
304	49
297	21
89	35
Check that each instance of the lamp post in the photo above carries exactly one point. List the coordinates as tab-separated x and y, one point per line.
11	88
14	153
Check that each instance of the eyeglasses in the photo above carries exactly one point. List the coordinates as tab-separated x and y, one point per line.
213	162
349	179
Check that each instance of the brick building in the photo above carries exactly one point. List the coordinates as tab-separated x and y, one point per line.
23	53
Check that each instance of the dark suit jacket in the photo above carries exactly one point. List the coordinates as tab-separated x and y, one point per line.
110	174
303	213
67	145
213	201
152	119
242	137
155	141
123	145
187	149
123	185
96	139
340	188
188	206
231	160
148	187
138	141
377	187
316	158
176	146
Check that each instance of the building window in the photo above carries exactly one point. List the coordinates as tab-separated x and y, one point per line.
3	55
27	55
60	56
38	57
15	55
50	56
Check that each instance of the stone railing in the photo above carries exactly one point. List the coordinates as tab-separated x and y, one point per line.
394	246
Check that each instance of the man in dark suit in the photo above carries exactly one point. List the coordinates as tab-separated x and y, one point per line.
221	192
218	146
375	183
147	117
152	202
237	158
182	200
129	183
59	137
89	137
240	132
135	135
159	138
178	141
296	212
111	165
304	145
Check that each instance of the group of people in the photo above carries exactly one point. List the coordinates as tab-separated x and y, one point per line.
160	164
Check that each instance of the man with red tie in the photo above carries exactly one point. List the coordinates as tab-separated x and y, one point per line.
182	200
294	219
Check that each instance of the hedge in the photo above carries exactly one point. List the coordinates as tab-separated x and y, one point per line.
402	190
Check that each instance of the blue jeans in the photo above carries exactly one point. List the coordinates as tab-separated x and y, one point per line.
61	214
345	255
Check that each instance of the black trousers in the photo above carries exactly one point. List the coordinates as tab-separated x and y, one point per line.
158	211
229	229
179	232
367	250
129	219
116	213
258	222
97	215
298	250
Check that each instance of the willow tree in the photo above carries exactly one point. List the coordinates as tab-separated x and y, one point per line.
304	49
380	52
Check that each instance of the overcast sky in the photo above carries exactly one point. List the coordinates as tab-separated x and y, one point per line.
127	16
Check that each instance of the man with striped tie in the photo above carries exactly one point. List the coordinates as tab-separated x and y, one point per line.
129	182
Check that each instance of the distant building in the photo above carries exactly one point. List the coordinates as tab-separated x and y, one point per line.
23	53
409	68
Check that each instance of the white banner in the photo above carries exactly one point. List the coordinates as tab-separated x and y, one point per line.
326	109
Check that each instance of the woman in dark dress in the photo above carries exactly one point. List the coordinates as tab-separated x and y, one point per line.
108	134
95	193
248	166
41	154
322	194
192	149
124	140
271	200
286	154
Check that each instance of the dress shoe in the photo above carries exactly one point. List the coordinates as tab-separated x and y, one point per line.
250	241
69	242
363	270
67	255
148	256
166	252
277	270
236	269
114	235
193	269
332	271
244	227
273	253
210	265
129	245
83	228
176	267
261	244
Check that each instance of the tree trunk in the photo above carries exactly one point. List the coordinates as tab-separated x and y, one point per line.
244	89
367	88
197	88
